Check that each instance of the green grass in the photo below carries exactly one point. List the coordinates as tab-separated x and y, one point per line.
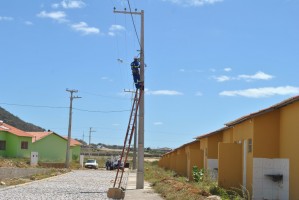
173	187
170	186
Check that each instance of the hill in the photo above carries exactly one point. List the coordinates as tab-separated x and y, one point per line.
15	121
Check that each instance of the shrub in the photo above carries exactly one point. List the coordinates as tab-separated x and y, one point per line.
198	174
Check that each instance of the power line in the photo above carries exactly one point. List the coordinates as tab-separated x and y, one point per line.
100	111
134	23
60	107
105	96
35	106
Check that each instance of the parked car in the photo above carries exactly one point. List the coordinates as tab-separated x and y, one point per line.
92	164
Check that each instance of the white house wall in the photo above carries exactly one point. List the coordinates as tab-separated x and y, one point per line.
263	187
213	168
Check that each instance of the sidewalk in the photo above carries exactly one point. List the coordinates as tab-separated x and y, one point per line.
145	194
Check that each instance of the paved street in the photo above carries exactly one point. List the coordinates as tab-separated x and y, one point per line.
78	184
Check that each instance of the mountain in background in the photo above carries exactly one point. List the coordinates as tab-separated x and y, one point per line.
15	121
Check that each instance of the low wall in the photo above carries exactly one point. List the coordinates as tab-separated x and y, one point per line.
6	172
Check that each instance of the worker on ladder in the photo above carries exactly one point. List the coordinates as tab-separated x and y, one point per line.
135	65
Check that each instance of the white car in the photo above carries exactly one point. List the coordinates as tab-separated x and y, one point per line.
92	164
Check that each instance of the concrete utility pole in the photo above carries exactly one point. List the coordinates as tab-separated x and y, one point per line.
140	169
67	160
90	131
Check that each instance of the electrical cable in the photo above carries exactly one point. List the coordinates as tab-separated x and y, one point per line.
62	107
134	23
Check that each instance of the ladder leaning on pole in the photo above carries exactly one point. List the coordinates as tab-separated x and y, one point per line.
117	192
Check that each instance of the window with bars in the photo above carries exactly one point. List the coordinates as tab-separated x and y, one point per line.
2	145
24	145
249	145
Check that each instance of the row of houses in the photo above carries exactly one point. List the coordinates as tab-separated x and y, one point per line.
258	151
51	147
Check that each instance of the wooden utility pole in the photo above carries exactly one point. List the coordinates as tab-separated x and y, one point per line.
140	168
67	159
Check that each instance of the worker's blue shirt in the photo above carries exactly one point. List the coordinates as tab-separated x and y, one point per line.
135	65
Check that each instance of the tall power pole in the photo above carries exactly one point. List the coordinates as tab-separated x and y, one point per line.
67	160
140	168
90	131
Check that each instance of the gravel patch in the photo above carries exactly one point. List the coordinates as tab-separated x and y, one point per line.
78	184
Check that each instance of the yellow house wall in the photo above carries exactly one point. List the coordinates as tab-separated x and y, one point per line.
204	148
163	162
172	161
266	135
241	132
167	162
213	141
289	143
228	136
181	162
194	157
230	165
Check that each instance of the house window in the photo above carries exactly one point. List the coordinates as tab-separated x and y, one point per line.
24	145
249	145
2	144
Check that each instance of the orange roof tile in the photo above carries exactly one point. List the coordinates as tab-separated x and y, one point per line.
211	133
269	109
13	130
73	141
39	135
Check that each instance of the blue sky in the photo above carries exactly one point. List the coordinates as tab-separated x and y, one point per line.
208	62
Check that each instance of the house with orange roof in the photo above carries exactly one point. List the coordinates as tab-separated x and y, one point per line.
14	142
209	146
257	151
51	147
183	159
262	152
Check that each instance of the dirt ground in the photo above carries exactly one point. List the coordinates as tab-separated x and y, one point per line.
24	163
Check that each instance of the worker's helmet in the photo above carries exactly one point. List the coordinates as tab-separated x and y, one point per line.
135	58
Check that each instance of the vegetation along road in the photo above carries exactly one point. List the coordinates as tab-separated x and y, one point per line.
78	184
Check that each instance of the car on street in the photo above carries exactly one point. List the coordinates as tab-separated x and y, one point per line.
91	164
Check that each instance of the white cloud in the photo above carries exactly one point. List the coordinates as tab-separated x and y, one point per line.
222	78
4	18
158	123
111	34
193	2
69	4
163	92
85	29
58	15
29	23
258	76
55	5
115	28
198	94
262	92
228	69
182	70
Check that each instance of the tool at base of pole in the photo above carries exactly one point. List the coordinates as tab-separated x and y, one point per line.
115	193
